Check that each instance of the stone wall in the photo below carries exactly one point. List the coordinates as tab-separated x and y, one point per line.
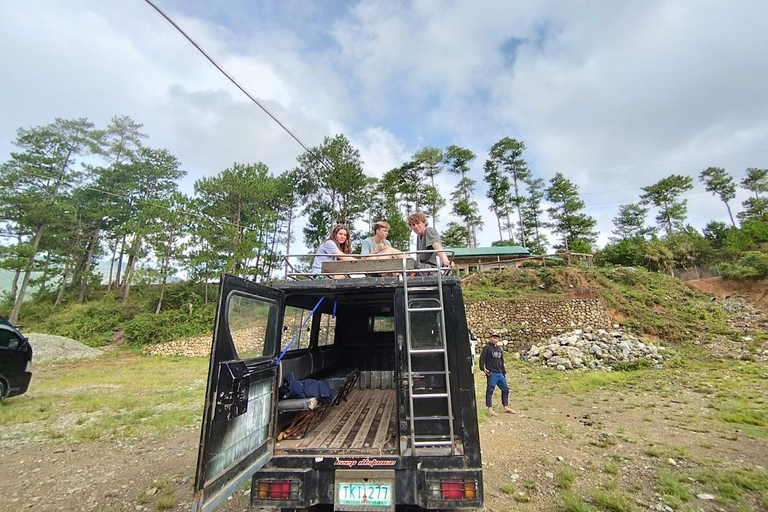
523	323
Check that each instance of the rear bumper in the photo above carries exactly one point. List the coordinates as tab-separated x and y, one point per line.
418	487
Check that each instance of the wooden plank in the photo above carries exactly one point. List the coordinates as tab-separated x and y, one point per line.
366	265
386	424
362	432
338	412
359	412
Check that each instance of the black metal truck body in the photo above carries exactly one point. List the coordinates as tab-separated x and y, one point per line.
403	432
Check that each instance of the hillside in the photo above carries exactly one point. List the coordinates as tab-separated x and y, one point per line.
651	304
655	306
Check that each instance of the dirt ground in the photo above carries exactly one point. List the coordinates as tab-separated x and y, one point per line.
608	439
755	292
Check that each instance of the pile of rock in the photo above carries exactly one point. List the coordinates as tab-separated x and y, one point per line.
594	348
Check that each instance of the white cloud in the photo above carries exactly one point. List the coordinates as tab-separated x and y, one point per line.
615	95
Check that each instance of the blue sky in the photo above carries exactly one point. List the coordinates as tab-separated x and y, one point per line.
615	95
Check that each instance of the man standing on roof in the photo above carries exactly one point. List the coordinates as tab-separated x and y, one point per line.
427	239
492	363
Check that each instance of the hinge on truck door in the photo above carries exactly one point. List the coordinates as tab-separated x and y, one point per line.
232	392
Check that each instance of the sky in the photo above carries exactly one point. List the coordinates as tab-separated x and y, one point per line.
614	95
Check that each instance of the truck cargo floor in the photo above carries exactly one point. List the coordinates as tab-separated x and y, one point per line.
365	424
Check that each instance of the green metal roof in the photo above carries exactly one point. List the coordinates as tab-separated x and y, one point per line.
488	252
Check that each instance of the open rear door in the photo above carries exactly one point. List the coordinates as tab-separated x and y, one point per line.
237	435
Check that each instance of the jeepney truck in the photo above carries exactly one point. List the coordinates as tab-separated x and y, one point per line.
400	431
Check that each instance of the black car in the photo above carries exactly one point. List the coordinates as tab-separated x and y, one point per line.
15	361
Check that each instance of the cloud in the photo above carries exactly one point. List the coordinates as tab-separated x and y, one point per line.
614	95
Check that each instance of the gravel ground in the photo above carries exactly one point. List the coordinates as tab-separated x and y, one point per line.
49	347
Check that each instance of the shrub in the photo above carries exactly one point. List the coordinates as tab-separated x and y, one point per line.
148	328
753	265
92	323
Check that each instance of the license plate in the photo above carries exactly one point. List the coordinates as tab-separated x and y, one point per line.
361	494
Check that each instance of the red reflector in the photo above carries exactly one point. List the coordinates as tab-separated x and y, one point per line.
279	490
452	489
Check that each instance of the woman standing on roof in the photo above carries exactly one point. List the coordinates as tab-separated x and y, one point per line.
334	248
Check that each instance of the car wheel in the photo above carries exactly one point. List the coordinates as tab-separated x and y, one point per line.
2	390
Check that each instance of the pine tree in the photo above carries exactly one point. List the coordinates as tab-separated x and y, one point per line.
574	228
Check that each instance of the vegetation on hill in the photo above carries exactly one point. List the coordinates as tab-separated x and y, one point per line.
647	303
104	319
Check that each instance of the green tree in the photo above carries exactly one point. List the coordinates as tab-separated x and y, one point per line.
241	205
630	223
455	235
498	193
665	195
688	247
332	173
507	155
118	145
464	206
755	208
626	252
574	227
35	181
532	216
756	181
721	184
166	239
429	161
716	233
155	175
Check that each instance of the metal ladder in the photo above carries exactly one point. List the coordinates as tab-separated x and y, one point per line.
421	439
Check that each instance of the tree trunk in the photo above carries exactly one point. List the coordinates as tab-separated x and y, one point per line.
44	280
15	283
519	214
14	317
87	268
120	262
730	214
63	286
509	226
111	267
498	221
17	274
129	268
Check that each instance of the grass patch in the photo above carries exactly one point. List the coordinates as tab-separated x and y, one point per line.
745	417
673	485
119	395
731	484
612	501
565	478
612	468
564	430
574	503
508	488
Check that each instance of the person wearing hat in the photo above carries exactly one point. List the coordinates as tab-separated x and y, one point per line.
492	364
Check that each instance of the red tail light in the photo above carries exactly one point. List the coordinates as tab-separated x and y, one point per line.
275	490
452	489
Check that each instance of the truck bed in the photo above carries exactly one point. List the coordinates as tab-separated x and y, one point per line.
365	424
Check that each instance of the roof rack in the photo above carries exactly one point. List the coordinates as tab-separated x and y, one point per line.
364	265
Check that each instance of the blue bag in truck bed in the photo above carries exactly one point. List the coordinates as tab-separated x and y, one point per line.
306	388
